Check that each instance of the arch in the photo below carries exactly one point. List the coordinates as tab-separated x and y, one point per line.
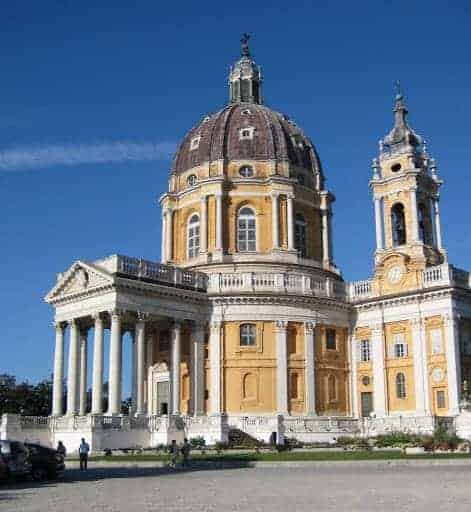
193	236
332	388
249	386
400	386
301	234
246	230
398	224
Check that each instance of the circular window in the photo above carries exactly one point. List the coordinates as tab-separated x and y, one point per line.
396	167
191	180
365	380
246	171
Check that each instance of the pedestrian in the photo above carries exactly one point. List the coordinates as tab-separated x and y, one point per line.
84	448
61	449
186	452
173	454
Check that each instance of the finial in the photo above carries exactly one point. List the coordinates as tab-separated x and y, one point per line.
244	45
397	85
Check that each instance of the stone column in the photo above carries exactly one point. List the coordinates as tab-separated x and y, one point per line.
153	338
215	367
97	381
419	355
175	372
115	370
197	369
379	224
133	372
83	372
414	214
379	393
72	373
438	230
290	221
282	367
275	221
219	229
310	376
58	382
169	235
203	225
140	367
163	247
353	355
325	236
453	362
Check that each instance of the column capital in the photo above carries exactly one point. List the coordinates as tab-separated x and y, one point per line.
73	322
309	327
203	198
275	194
177	325
116	314
216	325
142	316
59	325
97	317
451	319
376	328
281	325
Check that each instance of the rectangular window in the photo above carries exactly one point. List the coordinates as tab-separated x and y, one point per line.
441	402
436	341
248	335
331	339
365	351
400	346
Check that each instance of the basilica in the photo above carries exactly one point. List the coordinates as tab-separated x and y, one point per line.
246	324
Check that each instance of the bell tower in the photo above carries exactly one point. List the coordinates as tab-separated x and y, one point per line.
405	188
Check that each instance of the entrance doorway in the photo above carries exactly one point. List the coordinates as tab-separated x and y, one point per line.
162	397
366	404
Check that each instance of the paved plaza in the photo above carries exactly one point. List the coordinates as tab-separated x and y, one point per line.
336	487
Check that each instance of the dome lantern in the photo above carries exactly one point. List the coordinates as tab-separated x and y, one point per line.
245	77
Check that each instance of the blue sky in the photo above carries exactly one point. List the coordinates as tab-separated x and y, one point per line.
93	100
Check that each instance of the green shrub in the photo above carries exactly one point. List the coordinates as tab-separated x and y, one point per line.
198	442
395	439
220	446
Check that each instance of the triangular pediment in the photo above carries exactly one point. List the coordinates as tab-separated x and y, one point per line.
80	278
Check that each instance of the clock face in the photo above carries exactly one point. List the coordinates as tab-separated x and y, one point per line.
395	274
438	375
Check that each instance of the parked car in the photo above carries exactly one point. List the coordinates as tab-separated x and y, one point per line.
46	463
16	458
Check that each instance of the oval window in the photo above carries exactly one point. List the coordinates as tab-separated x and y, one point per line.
246	171
396	168
191	180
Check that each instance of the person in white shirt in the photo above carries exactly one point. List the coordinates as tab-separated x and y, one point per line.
84	448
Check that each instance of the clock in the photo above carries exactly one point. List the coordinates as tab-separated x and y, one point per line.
438	375
395	274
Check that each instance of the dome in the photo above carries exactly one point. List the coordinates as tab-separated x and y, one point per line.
246	131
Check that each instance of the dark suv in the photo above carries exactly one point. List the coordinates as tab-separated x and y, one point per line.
46	462
16	458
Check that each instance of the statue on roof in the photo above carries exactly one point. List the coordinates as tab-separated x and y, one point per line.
244	45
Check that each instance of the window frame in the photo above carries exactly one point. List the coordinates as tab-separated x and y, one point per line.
250	334
440	399
248	168
401	388
195	142
246	133
327	331
246	243
191	180
193	236
398	233
365	351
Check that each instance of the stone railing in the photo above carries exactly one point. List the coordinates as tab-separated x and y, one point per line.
276	282
302	425
359	290
137	268
34	422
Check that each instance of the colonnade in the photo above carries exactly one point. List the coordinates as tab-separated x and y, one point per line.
142	358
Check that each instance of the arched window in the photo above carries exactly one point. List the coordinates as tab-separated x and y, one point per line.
398	224
248	335
193	236
332	388
246	231
191	180
400	385
300	234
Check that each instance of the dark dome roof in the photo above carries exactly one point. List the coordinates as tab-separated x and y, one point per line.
275	138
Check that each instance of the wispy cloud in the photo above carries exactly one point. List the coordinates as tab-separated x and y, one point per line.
43	156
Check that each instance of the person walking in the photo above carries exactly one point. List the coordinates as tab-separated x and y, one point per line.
173	454
61	449
84	448
186	452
